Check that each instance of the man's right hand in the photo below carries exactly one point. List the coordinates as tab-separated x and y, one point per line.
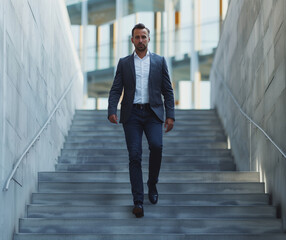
113	118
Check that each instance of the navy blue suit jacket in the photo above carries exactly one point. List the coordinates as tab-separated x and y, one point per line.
159	85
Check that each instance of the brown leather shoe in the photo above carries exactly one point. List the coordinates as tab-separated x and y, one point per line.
138	210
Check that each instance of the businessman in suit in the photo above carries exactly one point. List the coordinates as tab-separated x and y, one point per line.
144	78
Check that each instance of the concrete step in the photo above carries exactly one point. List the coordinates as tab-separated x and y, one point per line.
123	187
165	176
96	122
178	125
166	152
166	139
192	137
200	197
185	128
183	122
122	145
178	118
146	225
167	159
193	133
30	236
227	166
178	112
93	199
180	212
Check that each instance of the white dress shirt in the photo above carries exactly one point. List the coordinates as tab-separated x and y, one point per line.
142	69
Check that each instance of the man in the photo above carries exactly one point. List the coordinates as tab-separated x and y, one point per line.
144	78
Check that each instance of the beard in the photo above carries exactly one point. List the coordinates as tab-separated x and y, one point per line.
141	47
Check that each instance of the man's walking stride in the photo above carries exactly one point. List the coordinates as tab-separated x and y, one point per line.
145	79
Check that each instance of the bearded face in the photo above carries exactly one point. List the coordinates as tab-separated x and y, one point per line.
140	39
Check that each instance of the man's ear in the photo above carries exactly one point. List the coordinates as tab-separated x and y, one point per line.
132	39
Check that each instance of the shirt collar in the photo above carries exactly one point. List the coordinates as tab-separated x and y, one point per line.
147	54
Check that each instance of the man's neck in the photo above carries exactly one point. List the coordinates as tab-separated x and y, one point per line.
141	54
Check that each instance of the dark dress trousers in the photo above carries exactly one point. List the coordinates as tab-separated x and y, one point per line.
148	119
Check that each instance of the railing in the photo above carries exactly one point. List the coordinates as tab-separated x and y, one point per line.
247	117
6	186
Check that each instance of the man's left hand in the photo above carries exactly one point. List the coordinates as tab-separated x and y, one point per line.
169	124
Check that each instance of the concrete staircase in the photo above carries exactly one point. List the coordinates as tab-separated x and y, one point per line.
201	196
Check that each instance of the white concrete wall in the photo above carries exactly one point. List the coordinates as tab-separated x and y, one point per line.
251	60
37	63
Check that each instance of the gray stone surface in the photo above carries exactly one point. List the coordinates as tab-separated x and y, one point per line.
251	59
119	212
193	204
112	199
145	225
37	64
174	176
149	236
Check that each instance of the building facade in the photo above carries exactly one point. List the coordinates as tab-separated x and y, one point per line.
185	32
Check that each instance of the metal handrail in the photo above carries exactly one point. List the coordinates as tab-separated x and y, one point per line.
249	119
6	186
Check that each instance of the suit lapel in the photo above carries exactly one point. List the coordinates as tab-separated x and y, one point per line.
152	63
132	67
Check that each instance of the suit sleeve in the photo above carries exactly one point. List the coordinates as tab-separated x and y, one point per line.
167	92
115	91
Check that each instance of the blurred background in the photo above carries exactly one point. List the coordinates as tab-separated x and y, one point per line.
185	32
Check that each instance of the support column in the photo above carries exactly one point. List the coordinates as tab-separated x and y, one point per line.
111	46
119	14
169	29
115	43
220	16
178	39
158	32
83	41
97	47
195	75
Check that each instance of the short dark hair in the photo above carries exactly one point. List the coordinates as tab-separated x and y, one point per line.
140	26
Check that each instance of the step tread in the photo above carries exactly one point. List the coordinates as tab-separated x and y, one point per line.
158	225
201	197
223	166
124	187
144	236
114	211
165	199
165	176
